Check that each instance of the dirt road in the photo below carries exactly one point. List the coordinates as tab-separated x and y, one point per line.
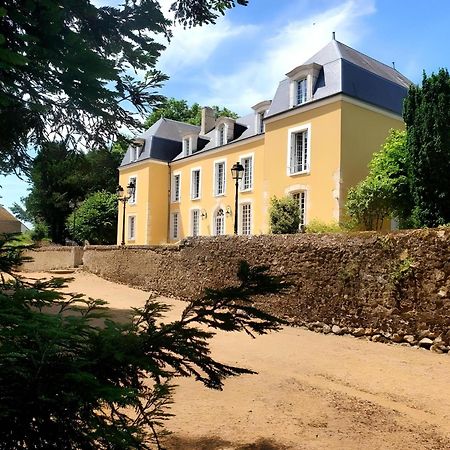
312	391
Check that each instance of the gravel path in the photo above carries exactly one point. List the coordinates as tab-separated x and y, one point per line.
312	391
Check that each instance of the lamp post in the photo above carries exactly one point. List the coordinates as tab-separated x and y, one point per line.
237	171
73	204
122	197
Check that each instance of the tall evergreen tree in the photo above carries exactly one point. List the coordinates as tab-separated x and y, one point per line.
427	117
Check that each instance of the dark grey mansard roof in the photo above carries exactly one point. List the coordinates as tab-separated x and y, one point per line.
162	141
347	71
344	70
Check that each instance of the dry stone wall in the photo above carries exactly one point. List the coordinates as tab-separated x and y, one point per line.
393	287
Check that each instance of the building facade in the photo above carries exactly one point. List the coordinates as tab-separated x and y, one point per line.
313	141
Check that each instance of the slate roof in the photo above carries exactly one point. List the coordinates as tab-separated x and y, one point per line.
343	70
347	71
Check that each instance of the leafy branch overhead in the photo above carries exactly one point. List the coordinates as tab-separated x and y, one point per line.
71	377
68	70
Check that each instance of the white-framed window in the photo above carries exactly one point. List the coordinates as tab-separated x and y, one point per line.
219	222
135	151
187	148
219	178
260	126
246	218
301	91
299	150
131	228
176	187
222	134
300	198
132	199
247	178
195	222
175	225
195	184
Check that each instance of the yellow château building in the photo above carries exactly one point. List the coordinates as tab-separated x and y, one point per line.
313	141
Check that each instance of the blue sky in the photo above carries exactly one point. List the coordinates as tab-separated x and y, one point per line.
240	60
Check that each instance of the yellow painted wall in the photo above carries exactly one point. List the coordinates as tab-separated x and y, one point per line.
342	139
151	207
210	203
364	130
322	182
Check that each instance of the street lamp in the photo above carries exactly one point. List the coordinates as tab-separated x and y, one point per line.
237	171
73	204
122	197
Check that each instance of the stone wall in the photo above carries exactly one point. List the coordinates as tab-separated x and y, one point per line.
392	287
52	258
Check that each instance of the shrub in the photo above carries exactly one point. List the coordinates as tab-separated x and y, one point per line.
284	215
95	220
316	226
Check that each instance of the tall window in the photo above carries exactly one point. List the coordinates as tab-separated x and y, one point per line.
132	199
195	184
247	179
219	170
219	223
222	138
300	198
175	225
176	187
299	152
195	222
246	218
131	228
301	91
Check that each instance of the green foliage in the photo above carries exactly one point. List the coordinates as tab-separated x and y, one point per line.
65	69
95	220
39	232
385	192
316	226
284	215
70	377
427	117
61	178
174	109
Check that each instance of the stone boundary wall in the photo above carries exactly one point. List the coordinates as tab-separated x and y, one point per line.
388	287
52	258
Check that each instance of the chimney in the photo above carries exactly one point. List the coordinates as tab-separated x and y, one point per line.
334	36
208	120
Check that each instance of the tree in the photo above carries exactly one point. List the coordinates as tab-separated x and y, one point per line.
174	109
65	69
95	219
284	215
427	117
58	176
71	377
385	192
61	178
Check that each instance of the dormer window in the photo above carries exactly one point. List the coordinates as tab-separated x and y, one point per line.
189	144
222	137
261	109
136	148
261	126
302	91
303	80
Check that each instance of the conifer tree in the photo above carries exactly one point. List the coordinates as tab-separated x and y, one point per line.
427	117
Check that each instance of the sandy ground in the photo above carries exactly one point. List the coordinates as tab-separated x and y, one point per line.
312	391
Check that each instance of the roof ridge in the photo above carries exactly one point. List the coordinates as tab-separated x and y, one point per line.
364	54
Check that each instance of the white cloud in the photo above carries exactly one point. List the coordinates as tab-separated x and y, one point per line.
257	78
194	46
